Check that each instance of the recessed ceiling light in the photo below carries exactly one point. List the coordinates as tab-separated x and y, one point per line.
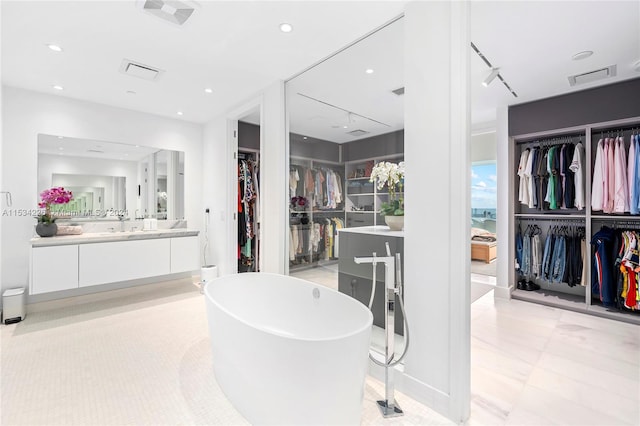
582	55
137	146
369	71
345	127
304	137
286	28
60	137
57	87
179	112
55	47
208	90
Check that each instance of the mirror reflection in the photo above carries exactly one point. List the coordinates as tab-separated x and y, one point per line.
111	180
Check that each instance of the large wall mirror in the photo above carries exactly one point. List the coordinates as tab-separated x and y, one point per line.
112	180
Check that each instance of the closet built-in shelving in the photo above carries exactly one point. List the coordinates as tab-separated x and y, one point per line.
362	197
306	250
576	298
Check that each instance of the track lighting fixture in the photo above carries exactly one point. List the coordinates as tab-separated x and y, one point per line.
491	77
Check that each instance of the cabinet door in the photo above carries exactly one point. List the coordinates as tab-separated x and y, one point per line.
102	263
185	254
54	268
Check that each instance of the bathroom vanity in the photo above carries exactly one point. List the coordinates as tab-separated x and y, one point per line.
75	261
356	279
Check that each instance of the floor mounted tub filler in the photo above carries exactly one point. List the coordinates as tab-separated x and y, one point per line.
287	351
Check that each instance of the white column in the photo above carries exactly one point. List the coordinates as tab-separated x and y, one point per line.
219	185
273	175
437	224
504	217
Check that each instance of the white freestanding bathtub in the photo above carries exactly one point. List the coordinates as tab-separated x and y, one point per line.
287	351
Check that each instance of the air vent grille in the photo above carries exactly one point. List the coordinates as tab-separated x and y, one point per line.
139	70
358	132
592	76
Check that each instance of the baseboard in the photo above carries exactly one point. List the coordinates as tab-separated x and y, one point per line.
432	398
502	292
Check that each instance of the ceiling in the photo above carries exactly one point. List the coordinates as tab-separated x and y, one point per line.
233	47
73	147
236	49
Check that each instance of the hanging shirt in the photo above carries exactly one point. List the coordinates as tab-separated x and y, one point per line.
636	196
577	167
597	187
523	195
611	179
631	177
528	177
621	195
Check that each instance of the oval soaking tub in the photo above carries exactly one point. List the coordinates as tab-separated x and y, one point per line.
287	351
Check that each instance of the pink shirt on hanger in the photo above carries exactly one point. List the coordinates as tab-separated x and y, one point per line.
597	186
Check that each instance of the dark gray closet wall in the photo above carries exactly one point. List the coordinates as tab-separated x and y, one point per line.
605	103
375	146
248	136
316	149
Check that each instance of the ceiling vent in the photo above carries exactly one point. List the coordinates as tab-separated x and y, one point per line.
174	11
357	133
136	69
591	76
399	91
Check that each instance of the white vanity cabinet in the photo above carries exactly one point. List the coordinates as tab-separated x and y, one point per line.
103	263
72	262
185	254
54	269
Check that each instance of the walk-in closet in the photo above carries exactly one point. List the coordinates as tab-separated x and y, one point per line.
576	204
248	209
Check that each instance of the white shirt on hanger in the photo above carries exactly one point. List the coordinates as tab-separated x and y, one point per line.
577	168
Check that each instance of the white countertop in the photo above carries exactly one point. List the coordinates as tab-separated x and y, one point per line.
102	237
373	230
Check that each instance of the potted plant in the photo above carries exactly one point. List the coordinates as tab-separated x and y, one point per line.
391	175
46	226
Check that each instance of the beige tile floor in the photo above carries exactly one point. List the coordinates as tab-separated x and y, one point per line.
141	356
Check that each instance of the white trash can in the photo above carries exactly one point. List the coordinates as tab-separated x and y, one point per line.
13	305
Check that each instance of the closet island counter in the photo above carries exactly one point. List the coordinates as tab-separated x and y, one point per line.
381	230
354	279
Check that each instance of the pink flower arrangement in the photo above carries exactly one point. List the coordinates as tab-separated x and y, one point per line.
56	195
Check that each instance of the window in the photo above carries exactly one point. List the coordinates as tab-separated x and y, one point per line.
484	195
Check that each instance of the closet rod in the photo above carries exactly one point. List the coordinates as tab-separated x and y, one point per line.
553	141
551	219
616	130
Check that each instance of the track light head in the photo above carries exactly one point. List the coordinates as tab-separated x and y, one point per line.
494	73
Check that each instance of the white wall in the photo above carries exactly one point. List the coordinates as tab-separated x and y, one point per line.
437	221
483	147
25	114
98	168
220	182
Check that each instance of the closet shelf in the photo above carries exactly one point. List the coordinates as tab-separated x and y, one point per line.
616	217
550	216
361	194
358	179
362	211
